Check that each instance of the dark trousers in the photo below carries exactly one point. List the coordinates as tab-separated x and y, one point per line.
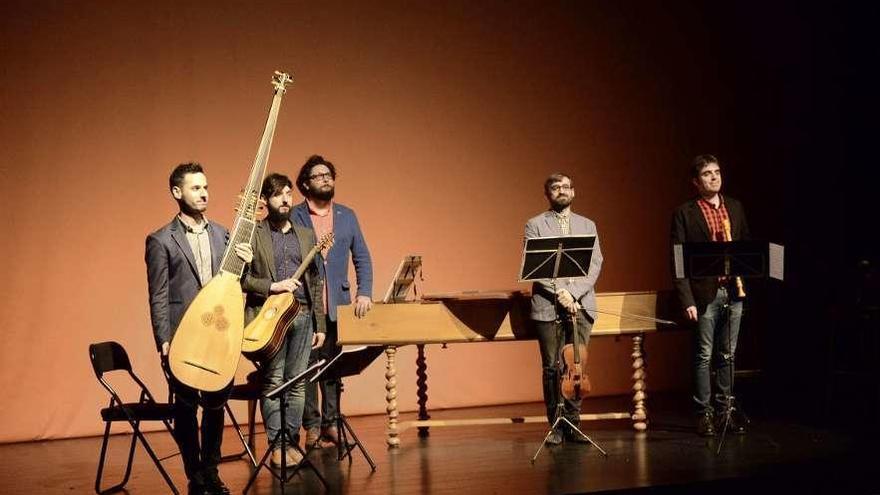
550	343
325	415
200	459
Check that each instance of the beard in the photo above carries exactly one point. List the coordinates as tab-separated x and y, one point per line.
277	216
560	203
323	194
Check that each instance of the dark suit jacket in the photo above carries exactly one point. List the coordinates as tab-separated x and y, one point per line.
261	273
172	276
347	238
689	225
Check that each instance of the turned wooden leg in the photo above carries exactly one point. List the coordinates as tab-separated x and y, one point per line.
422	391
640	413
391	397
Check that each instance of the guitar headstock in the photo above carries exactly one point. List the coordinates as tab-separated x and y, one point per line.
280	81
251	203
326	242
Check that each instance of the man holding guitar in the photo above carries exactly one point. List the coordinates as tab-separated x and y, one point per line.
280	248
181	258
317	181
574	299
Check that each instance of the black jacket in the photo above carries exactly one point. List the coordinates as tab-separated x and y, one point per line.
689	225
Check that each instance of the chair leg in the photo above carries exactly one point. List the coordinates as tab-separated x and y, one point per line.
246	443
155	459
252	424
103	458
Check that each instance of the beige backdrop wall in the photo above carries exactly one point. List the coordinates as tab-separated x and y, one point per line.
443	120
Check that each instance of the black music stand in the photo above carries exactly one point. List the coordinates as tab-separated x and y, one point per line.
349	362
546	259
743	259
284	438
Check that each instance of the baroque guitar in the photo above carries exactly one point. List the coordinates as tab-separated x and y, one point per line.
263	336
206	347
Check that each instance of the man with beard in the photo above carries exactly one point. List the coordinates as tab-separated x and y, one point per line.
316	181
279	249
552	311
711	302
181	258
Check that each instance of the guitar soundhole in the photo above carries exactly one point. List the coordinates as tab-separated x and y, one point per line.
270	313
215	319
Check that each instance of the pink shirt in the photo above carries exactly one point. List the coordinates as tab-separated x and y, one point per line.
323	224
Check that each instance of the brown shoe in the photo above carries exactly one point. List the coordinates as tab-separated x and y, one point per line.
330	435
275	459
313	435
293	457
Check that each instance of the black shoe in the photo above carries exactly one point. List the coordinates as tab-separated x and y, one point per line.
215	486
737	424
705	425
575	437
195	488
555	438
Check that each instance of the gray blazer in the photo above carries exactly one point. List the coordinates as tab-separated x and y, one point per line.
172	277
261	273
583	289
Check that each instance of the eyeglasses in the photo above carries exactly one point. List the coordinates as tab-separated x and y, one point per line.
560	187
325	175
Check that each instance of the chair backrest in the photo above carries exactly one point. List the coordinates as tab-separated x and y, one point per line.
108	356
111	356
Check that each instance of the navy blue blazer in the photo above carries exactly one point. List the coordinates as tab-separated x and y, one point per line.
348	239
172	277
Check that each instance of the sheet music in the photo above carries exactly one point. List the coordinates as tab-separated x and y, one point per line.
404	278
678	254
777	261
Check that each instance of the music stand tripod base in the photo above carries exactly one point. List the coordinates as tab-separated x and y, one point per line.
348	362
285	439
547	259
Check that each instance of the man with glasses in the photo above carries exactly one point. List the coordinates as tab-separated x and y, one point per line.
316	181
552	310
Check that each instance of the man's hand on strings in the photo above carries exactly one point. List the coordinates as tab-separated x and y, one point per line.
244	251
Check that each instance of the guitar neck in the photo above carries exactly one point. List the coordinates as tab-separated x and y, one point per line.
305	263
245	218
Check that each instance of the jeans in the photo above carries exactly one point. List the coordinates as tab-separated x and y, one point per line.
200	459
326	414
717	331
550	347
290	360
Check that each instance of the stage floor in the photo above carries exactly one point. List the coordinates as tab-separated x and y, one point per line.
668	458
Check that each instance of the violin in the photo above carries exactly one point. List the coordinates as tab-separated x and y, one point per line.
575	382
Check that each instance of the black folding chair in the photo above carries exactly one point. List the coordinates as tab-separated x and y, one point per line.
249	391
110	356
